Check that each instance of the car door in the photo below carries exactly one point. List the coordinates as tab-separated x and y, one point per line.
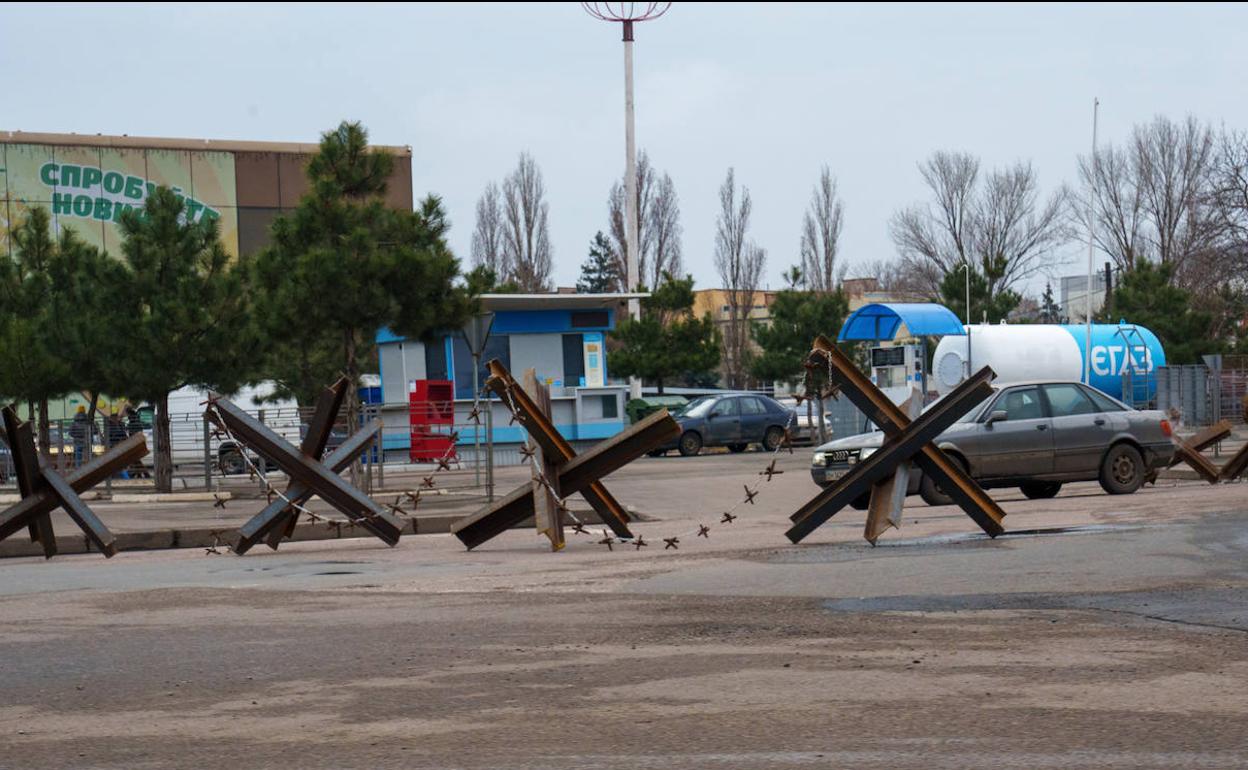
754	418
723	423
1022	443
1081	432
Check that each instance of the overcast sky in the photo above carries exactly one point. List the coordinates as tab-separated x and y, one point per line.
773	90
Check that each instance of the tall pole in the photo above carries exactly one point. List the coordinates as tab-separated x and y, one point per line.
631	235
626	14
1087	339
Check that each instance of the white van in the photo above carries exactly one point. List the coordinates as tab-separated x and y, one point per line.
186	426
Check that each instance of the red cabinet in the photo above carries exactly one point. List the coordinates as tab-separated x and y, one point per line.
431	417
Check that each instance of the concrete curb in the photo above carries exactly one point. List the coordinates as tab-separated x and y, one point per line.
220	538
139	497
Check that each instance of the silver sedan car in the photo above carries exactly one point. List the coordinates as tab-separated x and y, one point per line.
1032	435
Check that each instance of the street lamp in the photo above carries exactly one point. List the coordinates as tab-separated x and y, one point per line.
626	14
966	267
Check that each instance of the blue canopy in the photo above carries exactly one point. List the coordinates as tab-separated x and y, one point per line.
879	321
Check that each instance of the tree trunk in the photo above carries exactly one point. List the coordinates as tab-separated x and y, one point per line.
163	452
353	403
91	431
45	433
659	383
823	425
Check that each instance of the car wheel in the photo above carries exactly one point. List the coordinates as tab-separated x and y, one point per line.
931	492
1040	490
737	448
1122	470
861	502
232	463
657	453
690	444
773	438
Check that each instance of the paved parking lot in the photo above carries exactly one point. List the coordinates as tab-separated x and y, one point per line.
1104	632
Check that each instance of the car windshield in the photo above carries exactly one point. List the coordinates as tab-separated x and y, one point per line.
697	407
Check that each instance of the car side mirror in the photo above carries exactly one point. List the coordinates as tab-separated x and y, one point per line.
997	416
712	415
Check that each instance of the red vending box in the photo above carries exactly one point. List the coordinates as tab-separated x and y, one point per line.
431	420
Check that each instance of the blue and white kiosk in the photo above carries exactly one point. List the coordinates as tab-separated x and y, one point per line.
895	369
561	336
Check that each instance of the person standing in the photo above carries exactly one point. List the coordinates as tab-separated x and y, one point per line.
80	432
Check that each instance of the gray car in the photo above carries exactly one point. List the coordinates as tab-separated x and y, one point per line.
1032	435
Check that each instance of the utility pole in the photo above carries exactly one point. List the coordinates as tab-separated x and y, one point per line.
1087	347
626	14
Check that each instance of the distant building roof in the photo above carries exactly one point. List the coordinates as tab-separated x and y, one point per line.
168	143
496	302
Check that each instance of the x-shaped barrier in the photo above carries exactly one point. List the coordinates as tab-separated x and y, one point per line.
309	474
573	473
905	440
1189	451
43	490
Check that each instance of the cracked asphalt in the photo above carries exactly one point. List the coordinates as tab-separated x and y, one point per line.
1105	632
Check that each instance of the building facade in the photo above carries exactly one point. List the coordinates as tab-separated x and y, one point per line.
86	182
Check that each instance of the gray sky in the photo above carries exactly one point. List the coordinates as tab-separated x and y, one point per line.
774	90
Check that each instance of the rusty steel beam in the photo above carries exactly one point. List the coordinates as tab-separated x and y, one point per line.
1202	440
350	501
29	480
553	444
574	473
609	456
44	490
1236	465
82	515
496	518
275	517
949	475
320	428
885	460
80	480
888	498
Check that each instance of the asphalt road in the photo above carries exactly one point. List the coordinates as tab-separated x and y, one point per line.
1106	632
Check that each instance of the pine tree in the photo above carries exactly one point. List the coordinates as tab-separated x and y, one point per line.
600	272
343	265
1050	311
30	368
1147	296
796	317
183	313
668	341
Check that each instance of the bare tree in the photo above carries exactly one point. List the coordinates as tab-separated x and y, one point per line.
490	232
892	277
526	241
665	231
740	265
1229	197
1157	199
1174	163
821	234
658	224
1117	206
996	223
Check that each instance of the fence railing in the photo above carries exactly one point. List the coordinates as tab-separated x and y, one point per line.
1196	394
205	458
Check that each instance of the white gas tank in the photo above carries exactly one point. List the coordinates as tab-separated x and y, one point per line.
1015	352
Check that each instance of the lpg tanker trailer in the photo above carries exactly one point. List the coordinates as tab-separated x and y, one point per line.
1123	356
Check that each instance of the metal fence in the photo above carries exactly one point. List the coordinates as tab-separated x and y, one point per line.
1196	394
205	458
